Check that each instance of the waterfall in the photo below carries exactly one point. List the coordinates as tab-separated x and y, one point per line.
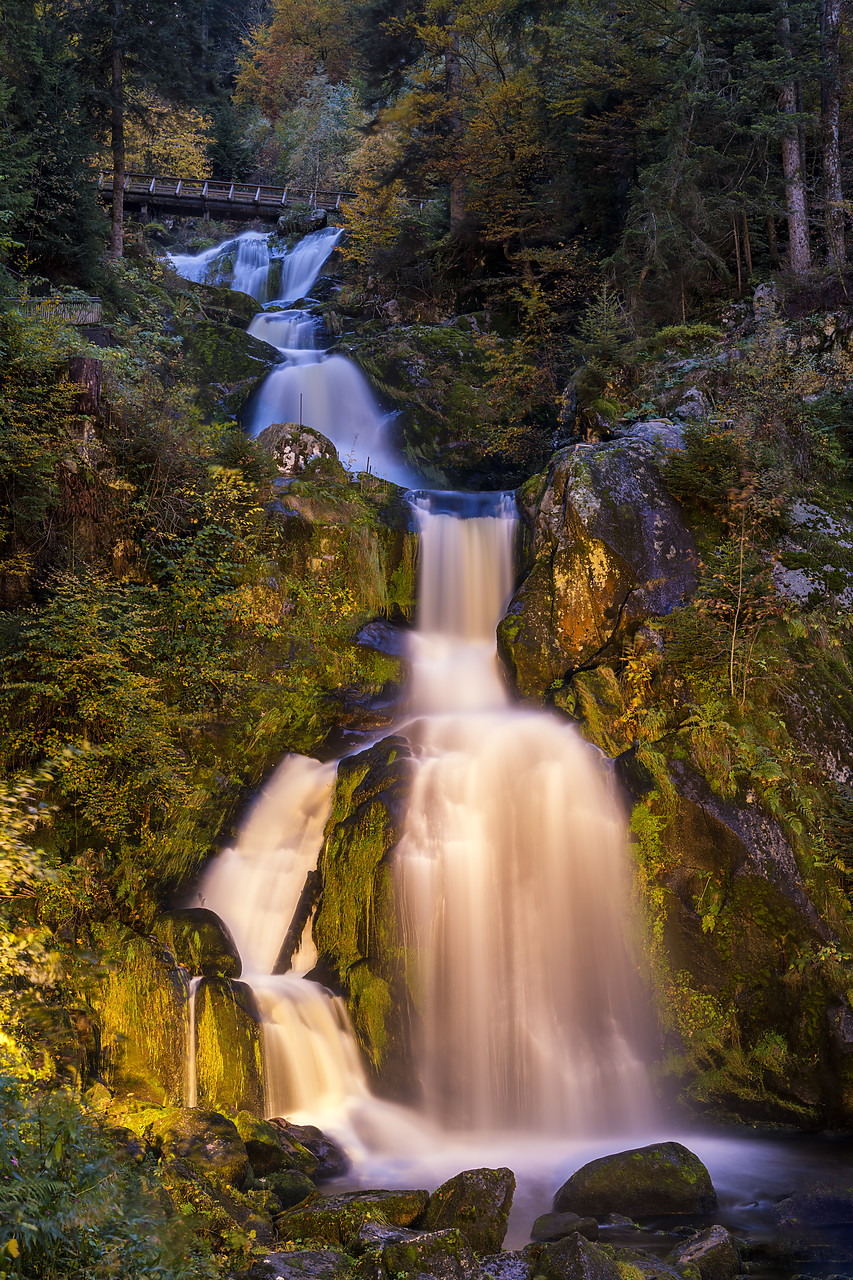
192	1047
311	386
512	868
244	262
310	1059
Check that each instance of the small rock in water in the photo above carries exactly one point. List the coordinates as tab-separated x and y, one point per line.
823	1204
713	1253
478	1202
553	1226
661	1178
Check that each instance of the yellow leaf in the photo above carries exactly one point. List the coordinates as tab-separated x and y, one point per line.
12	1248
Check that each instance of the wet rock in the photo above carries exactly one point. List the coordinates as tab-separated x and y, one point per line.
199	941
506	1265
553	1226
606	549
297	1156
229	1048
263	1147
652	1268
227	365
332	1160
823	1204
478	1202
375	1235
206	1141
305	1264
290	1187
446	1255
337	1219
297	449
572	1258
661	1178
714	1254
357	928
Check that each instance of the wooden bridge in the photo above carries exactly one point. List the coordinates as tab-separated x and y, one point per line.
193	197
75	311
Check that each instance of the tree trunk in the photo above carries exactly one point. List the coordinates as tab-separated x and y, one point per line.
772	243
829	120
799	252
453	82
117	123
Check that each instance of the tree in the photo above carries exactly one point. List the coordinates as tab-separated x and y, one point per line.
153	45
833	201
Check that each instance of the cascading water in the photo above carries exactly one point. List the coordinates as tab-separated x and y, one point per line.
513	872
311	386
311	1062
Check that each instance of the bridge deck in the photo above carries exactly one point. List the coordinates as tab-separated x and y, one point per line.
154	194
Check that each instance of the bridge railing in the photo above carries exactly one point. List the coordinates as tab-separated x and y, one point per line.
76	311
238	193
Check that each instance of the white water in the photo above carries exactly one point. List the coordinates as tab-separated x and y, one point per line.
251	256
513	873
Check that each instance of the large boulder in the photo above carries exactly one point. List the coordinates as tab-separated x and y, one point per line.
302	1264
606	547
478	1202
229	1047
199	941
357	928
714	1253
207	1142
227	365
661	1178
297	450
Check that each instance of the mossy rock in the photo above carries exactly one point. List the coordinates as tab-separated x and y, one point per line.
331	1161
298	450
227	365
297	1155
436	377
571	1258
305	1264
199	941
605	547
205	1140
337	1219
290	1187
658	1179
444	1254
555	1226
263	1147
357	928
211	1210
713	1255
229	1047
476	1201
141	1011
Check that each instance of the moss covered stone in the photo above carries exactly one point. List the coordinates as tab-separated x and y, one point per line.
229	1047
199	941
571	1258
141	1012
476	1201
605	547
661	1178
290	1187
263	1146
206	1141
337	1219
357	927
227	365
444	1254
212	1210
713	1254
